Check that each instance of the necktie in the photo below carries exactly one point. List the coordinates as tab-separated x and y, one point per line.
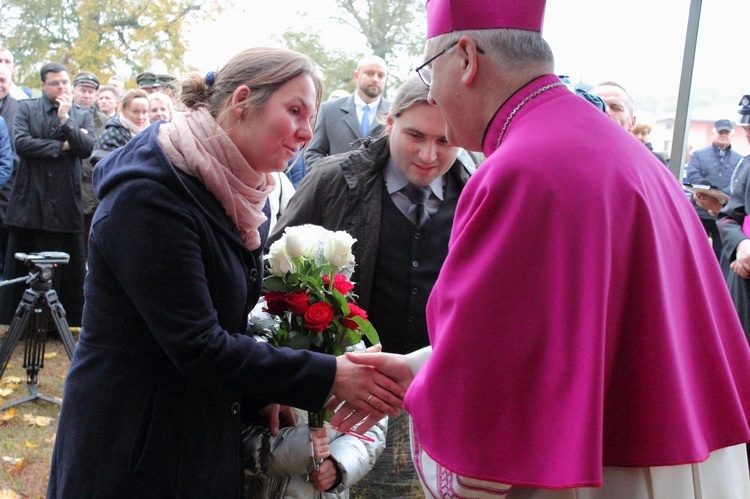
365	124
418	197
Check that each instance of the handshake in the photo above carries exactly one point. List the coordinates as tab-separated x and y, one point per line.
370	385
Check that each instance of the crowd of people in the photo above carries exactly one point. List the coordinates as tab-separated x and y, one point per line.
534	271
47	201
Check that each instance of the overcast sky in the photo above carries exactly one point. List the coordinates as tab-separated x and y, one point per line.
638	43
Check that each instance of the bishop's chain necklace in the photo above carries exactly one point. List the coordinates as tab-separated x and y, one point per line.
523	103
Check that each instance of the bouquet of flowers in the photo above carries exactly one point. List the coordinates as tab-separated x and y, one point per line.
310	298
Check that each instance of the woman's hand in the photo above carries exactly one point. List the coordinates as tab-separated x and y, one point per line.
393	376
278	416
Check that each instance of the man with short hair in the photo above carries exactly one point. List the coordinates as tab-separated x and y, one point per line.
597	363
115	82
6	59
713	165
619	103
342	122
107	100
45	213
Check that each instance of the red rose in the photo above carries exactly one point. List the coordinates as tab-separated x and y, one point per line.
275	303
298	302
340	283
354	311
318	316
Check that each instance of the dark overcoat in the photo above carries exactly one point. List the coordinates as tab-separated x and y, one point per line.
731	220
153	401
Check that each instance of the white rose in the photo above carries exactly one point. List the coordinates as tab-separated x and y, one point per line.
302	240
278	259
338	249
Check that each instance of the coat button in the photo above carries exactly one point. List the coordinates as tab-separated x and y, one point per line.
253	275
235	410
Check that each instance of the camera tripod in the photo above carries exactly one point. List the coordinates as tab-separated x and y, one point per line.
38	304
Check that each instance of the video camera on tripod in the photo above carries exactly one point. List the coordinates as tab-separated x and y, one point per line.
38	305
45	261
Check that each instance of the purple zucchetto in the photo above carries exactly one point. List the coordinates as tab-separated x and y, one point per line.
446	16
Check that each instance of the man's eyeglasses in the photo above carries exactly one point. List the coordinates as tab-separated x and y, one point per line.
424	71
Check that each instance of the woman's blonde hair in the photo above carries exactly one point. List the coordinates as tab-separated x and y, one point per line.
164	98
262	69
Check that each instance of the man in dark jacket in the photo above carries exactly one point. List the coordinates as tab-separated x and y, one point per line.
45	213
85	87
400	245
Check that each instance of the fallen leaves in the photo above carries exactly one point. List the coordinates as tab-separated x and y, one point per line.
16	462
32	420
37	420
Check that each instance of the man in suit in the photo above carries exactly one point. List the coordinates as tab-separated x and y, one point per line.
341	122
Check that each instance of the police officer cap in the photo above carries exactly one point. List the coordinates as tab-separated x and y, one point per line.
744	119
166	80
147	79
87	79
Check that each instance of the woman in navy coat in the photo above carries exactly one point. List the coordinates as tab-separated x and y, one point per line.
163	376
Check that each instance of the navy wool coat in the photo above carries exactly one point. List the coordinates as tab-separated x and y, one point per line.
162	372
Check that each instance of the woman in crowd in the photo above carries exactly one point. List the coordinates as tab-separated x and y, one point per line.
130	120
160	107
163	377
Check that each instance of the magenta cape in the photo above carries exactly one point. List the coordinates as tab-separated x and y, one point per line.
580	319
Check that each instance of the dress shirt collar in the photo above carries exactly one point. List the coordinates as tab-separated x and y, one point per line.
360	103
395	180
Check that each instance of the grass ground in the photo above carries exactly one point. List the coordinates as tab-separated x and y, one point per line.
27	431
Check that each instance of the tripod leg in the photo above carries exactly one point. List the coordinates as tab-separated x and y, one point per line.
61	323
16	329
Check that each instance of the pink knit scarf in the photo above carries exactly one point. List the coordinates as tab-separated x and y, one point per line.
197	145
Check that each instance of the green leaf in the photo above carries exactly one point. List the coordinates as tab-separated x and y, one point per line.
317	340
340	300
298	341
274	283
367	329
264	324
350	338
